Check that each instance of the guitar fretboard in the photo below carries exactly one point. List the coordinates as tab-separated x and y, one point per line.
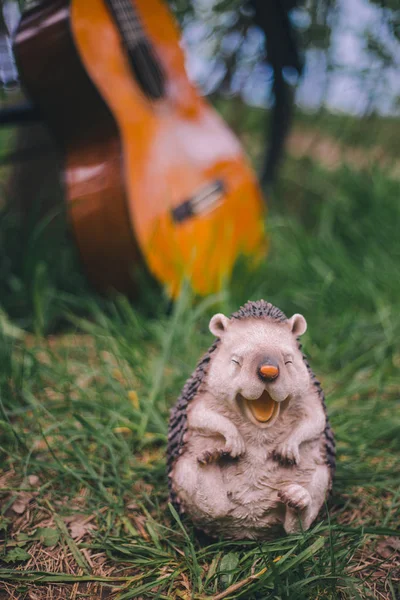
128	22
143	60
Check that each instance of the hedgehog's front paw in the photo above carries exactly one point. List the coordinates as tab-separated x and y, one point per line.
287	453
234	445
209	456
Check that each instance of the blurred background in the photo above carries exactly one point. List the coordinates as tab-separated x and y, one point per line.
350	52
339	59
311	88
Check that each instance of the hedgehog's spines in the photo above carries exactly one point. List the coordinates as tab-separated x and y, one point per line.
178	419
329	438
259	310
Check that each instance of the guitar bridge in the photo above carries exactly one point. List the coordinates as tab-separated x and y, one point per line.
207	199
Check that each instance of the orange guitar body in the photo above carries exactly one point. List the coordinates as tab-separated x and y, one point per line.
131	162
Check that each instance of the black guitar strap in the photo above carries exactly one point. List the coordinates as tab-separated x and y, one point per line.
272	16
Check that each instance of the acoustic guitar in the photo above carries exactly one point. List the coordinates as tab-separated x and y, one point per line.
152	174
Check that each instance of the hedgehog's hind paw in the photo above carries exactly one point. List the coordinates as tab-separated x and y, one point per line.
296	496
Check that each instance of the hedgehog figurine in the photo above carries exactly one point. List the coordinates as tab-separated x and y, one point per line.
250	447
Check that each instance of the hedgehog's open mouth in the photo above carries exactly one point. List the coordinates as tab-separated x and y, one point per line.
264	409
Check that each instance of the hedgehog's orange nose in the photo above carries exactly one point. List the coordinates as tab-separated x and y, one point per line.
269	372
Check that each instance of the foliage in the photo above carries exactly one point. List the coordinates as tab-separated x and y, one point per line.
225	34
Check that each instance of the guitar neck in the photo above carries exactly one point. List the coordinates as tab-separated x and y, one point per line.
128	22
144	63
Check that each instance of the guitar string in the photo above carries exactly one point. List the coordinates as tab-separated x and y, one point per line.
120	10
133	28
156	73
153	76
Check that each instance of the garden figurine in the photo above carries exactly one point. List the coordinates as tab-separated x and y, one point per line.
250	447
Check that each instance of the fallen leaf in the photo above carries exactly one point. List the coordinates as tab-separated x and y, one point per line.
16	555
84	381
33	480
48	536
227	568
19	507
21	503
388	546
122	430
118	375
79	526
134	398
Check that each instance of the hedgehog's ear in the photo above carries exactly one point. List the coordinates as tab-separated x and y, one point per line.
298	324
218	325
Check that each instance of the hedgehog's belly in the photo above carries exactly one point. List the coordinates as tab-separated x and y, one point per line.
227	498
238	498
201	490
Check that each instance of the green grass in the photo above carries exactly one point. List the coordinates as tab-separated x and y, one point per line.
86	386
364	132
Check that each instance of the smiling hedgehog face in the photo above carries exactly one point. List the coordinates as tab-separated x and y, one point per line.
258	365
